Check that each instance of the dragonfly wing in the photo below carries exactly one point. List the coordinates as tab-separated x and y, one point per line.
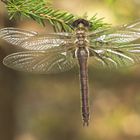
122	34
45	42
32	40
124	55
40	61
15	36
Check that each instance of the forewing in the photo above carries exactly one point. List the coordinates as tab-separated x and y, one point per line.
114	57
15	36
114	47
45	42
33	41
40	61
119	35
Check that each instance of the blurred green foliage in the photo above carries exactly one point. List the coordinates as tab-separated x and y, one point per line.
40	11
110	1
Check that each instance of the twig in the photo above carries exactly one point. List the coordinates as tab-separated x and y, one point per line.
4	1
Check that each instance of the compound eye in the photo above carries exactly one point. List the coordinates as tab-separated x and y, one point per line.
86	23
76	23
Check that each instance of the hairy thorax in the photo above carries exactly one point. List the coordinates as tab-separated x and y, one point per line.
81	39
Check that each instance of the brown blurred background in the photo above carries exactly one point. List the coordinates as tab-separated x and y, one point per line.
47	107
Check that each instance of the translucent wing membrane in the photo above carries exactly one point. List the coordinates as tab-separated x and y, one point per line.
124	55
33	41
40	61
114	48
15	36
109	48
119	35
44	42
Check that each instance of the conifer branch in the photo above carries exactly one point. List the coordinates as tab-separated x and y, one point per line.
40	11
97	23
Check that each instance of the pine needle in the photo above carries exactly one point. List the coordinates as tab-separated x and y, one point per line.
40	11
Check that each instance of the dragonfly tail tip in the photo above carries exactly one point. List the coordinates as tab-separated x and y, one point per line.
85	123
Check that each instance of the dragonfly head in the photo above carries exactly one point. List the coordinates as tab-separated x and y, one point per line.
80	23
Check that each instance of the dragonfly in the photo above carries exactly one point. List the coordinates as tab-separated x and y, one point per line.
58	52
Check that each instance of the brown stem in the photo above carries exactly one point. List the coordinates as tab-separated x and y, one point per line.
5	1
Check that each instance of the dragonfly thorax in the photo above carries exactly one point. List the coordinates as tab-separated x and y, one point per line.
81	27
81	39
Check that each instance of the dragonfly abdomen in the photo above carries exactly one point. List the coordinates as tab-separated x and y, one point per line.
82	56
